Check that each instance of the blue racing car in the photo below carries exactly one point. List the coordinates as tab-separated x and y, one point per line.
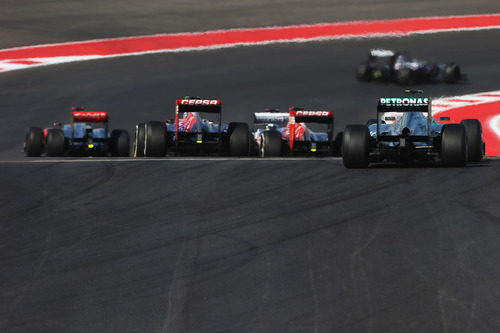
191	134
87	134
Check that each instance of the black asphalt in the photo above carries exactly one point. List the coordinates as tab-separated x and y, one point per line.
222	245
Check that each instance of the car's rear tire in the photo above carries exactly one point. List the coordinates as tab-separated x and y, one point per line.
452	73
475	144
55	142
406	77
155	140
140	130
33	142
453	145
355	146
120	143
270	144
239	139
364	73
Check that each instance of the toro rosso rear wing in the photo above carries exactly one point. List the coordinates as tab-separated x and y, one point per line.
322	117
197	105
405	104
302	116
89	117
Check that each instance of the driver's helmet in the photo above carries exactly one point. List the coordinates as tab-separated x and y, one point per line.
271	127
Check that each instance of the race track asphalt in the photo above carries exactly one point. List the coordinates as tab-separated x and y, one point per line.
240	245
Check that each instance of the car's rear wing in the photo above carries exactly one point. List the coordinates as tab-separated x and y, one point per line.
404	104
271	117
302	116
198	105
90	117
381	53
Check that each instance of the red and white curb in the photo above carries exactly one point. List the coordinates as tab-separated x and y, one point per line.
51	54
484	106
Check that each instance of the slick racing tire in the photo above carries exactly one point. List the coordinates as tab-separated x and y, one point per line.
355	146
33	142
239	139
475	145
406	77
270	144
452	73
139	139
364	73
337	144
55	142
155	139
120	143
453	145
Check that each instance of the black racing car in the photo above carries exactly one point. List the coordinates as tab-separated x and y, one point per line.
401	67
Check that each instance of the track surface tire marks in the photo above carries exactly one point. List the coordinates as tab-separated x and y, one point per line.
243	245
187	256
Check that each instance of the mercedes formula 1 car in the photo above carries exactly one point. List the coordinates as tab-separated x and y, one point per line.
405	131
402	68
87	134
190	134
292	134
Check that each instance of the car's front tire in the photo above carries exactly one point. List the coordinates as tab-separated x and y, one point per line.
364	73
239	139
355	146
120	143
155	140
406	77
140	130
452	73
337	144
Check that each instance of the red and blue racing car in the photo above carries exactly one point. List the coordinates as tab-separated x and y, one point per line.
297	132
86	135
192	134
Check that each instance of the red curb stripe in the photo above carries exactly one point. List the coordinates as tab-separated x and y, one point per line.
489	95
458	100
484	112
221	38
23	62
